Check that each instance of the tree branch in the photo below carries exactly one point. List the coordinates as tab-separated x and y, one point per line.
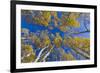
79	32
40	53
47	54
86	27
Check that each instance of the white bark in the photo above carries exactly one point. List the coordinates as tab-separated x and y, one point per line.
40	53
47	54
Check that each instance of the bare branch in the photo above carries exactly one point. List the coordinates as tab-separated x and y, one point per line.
86	27
81	32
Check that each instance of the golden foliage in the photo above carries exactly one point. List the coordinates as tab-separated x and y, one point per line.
68	20
69	56
46	15
45	18
28	54
37	41
74	15
81	43
54	13
46	41
73	22
66	56
58	40
63	28
27	48
29	58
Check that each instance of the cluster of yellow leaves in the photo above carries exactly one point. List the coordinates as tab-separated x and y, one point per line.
74	15
58	40
69	56
72	20
28	50
63	28
41	43
66	56
29	59
37	41
46	41
68	20
46	15
44	19
54	13
81	43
